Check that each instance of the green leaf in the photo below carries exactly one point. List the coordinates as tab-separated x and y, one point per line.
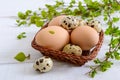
106	1
81	8
34	18
22	15
28	12
115	5
22	23
115	31
114	42
67	11
88	1
93	73
108	30
105	65
58	4
20	57
115	19
17	21
97	61
21	35
76	12
72	3
105	17
112	30
109	55
39	23
117	55
34	13
43	13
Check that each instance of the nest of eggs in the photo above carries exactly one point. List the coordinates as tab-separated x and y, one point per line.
62	55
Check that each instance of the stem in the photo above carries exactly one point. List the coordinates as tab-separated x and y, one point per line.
28	57
110	45
118	2
116	47
109	20
95	68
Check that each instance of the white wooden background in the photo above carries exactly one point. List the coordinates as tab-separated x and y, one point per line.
10	69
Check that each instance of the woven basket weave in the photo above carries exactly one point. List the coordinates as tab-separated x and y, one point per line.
71	58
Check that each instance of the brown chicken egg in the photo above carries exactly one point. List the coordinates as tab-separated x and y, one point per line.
56	21
85	36
53	37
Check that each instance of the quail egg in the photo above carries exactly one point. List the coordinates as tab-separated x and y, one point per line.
95	24
43	64
72	49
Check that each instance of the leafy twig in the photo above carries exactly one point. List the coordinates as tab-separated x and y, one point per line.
112	53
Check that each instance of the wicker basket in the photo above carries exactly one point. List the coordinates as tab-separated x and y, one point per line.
71	58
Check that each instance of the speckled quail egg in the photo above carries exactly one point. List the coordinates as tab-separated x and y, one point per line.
95	24
69	22
72	49
43	64
82	22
